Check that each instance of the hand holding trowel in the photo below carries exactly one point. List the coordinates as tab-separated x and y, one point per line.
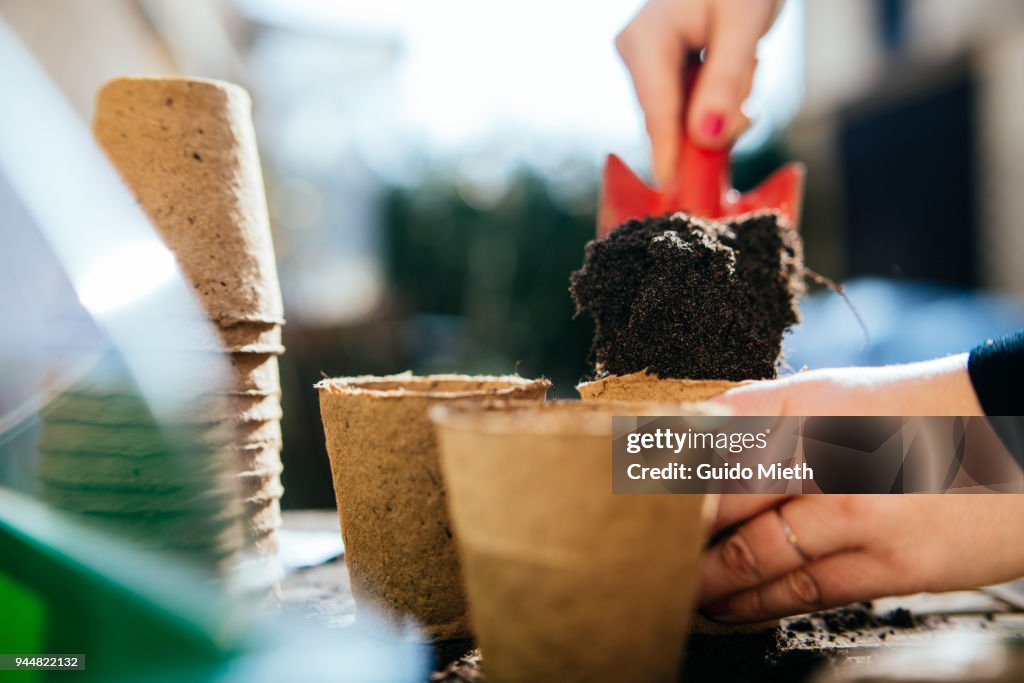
702	185
698	282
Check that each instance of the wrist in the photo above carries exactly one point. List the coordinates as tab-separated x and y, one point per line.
949	390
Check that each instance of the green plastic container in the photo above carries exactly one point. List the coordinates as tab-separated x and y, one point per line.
68	589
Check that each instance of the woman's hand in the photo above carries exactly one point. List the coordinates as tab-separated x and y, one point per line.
804	553
654	46
935	387
794	554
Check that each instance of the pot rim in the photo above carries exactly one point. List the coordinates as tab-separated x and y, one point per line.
645	376
363	385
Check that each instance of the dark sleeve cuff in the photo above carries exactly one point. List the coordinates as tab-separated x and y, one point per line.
997	373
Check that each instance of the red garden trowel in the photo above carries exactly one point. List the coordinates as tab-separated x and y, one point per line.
702	185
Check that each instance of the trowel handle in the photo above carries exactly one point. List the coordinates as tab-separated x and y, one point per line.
702	175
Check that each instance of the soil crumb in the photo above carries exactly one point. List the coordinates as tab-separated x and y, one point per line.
691	299
792	652
853	619
465	669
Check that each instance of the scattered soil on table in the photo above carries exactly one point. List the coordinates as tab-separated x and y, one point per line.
687	298
465	669
790	653
748	658
853	620
453	654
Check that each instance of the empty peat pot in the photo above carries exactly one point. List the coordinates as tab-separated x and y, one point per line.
641	386
565	580
391	501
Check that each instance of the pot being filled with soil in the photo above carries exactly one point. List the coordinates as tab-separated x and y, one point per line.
685	308
565	580
391	501
643	386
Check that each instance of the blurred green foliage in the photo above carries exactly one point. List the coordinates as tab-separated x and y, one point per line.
483	286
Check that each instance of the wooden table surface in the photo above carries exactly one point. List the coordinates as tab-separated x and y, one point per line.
790	652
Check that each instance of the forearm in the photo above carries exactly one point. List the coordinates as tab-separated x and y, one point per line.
936	387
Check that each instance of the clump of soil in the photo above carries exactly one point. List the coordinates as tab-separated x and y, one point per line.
686	298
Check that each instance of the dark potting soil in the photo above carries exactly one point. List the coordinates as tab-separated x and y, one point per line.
796	650
686	298
853	619
791	653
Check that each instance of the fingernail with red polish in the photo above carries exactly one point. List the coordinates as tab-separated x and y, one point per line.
712	123
717	608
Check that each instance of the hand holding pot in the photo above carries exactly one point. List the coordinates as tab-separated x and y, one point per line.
934	387
796	554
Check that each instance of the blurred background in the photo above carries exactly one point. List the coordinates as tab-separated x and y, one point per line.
432	169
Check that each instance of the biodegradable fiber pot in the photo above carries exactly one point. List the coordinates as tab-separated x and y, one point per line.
644	386
391	501
187	149
565	580
641	386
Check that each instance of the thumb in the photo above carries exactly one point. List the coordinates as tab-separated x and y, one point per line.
767	398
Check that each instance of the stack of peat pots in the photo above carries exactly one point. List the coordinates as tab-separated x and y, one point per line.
187	150
166	485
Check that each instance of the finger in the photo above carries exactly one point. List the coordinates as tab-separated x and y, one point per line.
655	63
768	398
755	552
724	81
749	84
829	582
759	551
739	127
742	122
739	507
